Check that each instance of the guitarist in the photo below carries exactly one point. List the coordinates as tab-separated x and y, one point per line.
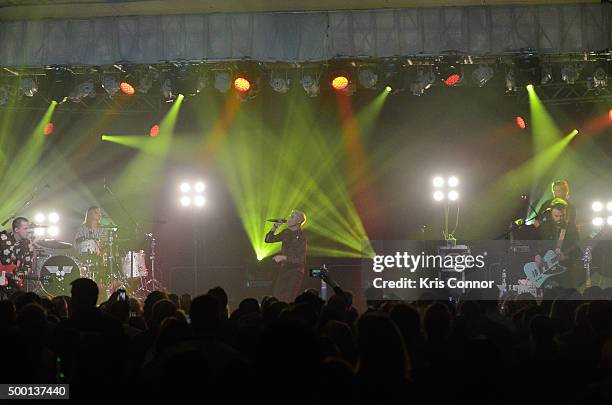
559	228
15	248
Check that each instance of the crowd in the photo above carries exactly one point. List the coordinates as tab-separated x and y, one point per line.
477	351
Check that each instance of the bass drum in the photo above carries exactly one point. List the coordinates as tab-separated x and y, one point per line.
59	271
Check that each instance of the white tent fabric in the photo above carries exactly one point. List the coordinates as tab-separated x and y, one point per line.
313	36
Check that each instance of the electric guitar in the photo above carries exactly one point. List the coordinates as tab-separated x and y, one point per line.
550	267
8	271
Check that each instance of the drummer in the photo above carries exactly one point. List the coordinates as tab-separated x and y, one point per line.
87	238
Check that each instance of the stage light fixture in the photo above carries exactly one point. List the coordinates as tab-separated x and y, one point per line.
185	187
48	129
145	81
510	81
222	81
570	73
598	221
609	220
438	195
280	84
185	201
242	84
520	122
199	187
53	231
453	181
600	77
449	72
310	84
438	182
192	194
39	218
367	78
154	131
167	90
453	195
83	90
340	82
28	87
39	231
54	217
610	114
597	206
127	89
425	78
482	74
546	74
110	85
388	89
199	201
609	206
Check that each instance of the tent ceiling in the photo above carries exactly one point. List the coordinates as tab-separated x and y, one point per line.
66	9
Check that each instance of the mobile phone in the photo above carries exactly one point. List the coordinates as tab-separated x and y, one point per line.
122	295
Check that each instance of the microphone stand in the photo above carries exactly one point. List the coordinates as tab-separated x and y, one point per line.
35	193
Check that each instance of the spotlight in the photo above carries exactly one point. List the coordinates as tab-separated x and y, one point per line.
520	122
168	90
388	89
438	195
610	115
453	181
126	88
110	85
199	187
482	74
310	84
546	74
199	201
280	84
529	87
28	87
600	77
438	182
82	90
609	206
145	81
339	82
185	187
39	231
39	218
53	231
368	78
54	218
242	84
510	82
222	81
453	195
185	201
449	72
598	221
48	130
570	73
424	80
597	206
609	220
154	131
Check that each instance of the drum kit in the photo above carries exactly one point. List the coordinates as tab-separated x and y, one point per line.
59	263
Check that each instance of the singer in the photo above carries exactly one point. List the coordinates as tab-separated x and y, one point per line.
292	257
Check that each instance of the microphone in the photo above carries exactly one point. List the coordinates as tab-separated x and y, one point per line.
277	220
33	225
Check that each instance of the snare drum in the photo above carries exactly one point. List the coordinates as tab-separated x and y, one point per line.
59	271
134	264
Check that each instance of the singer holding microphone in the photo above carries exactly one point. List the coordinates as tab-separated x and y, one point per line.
292	257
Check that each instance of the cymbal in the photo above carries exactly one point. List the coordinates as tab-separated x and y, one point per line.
53	244
107	227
